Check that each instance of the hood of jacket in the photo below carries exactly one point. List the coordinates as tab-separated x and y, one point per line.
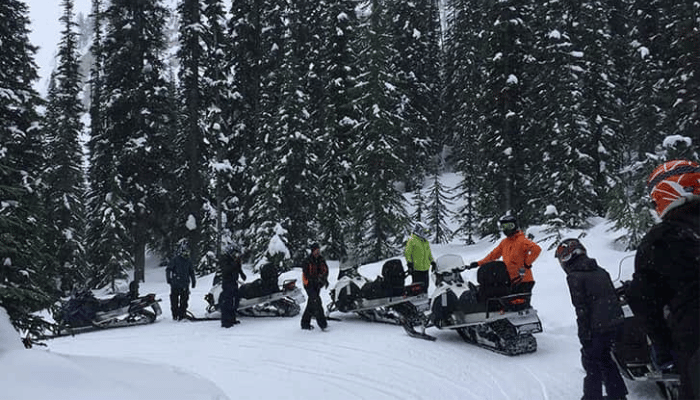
580	263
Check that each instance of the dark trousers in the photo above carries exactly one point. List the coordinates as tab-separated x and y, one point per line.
228	303
178	302
314	308
601	369
422	277
688	360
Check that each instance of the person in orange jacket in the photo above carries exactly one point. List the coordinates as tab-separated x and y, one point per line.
518	254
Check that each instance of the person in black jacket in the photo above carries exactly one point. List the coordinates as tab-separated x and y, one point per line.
231	269
664	292
599	318
314	276
178	274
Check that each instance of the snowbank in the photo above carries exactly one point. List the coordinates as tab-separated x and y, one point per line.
39	374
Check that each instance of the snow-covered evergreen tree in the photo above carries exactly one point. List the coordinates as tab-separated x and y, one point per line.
64	176
378	212
25	281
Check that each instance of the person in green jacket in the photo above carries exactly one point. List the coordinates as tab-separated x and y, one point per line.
419	258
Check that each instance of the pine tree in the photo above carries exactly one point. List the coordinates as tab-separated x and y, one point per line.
25	281
64	177
460	123
193	139
505	133
438	211
415	32
244	113
130	151
338	72
379	216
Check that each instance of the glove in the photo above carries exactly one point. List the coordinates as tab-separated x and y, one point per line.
433	265
168	281
410	267
193	284
473	265
243	275
521	271
324	282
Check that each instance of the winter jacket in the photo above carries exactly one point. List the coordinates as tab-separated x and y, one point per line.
598	309
418	252
179	273
518	252
667	272
315	273
231	269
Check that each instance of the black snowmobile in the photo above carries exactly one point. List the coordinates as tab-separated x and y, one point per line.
634	356
488	315
386	299
263	297
83	312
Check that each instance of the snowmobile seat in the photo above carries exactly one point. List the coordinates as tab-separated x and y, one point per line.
494	281
374	289
394	277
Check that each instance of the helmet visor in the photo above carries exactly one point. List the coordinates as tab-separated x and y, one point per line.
508	226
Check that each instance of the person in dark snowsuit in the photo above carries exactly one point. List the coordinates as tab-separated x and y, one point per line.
599	317
314	276
178	274
231	269
664	292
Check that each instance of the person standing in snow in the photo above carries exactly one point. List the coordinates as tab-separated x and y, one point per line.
314	276
518	254
665	286
599	318
231	269
419	258
178	274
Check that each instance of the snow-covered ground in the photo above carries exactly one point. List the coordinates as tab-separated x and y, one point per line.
272	358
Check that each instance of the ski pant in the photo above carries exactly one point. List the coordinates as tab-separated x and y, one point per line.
422	277
228	303
687	357
314	308
178	302
600	368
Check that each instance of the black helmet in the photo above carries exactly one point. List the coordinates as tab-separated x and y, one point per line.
569	249
232	249
314	246
509	224
183	248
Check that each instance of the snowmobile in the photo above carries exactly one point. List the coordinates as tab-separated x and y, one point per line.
263	297
634	355
386	299
83	312
489	315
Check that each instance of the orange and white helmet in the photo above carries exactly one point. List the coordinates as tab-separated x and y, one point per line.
673	183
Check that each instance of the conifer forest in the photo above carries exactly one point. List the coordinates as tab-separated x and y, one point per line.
278	123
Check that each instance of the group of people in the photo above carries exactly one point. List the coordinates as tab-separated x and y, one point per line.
664	292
